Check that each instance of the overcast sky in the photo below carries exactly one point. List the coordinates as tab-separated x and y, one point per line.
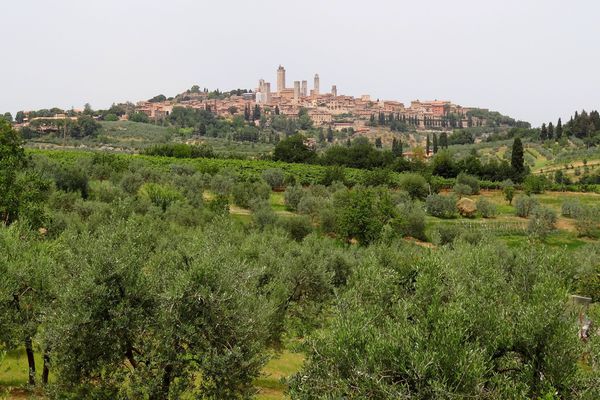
533	60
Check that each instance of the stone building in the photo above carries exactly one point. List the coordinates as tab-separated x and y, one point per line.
280	79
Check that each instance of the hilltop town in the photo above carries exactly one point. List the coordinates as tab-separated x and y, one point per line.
324	108
286	109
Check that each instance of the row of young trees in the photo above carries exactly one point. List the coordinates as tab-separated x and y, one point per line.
360	153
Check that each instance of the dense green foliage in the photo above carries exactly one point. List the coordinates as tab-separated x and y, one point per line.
479	322
131	277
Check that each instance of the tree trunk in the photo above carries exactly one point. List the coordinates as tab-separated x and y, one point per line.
30	359
166	381
46	369
162	392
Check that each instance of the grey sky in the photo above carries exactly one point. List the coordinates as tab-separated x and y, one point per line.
533	60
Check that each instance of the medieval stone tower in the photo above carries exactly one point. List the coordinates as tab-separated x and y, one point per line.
280	79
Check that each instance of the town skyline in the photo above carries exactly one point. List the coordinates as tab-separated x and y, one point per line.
536	68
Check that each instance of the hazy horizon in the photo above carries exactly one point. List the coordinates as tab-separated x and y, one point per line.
532	60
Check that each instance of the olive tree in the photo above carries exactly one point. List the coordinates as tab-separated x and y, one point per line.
473	321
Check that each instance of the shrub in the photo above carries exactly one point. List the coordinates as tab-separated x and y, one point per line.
377	177
446	234
471	181
160	195
400	197
183	214
471	236
441	206
462	190
508	189
64	201
542	221
588	222
111	117
182	169
319	191
263	215
415	185
535	184
72	179
327	219
524	205
105	191
131	182
361	213
297	227
245	192
219	205
333	174
571	208
309	205
222	184
292	197
139	117
180	150
336	186
274	177
410	221
486	208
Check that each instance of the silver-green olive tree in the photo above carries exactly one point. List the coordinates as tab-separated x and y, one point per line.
27	292
476	321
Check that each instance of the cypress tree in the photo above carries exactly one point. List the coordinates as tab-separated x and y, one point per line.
396	147
428	145
559	129
544	132
444	140
517	160
256	114
550	131
435	143
330	135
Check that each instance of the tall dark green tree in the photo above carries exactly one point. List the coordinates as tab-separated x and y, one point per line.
329	135
550	131
19	117
256	113
517	161
428	145
544	132
559	129
293	149
435	143
444	140
397	147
